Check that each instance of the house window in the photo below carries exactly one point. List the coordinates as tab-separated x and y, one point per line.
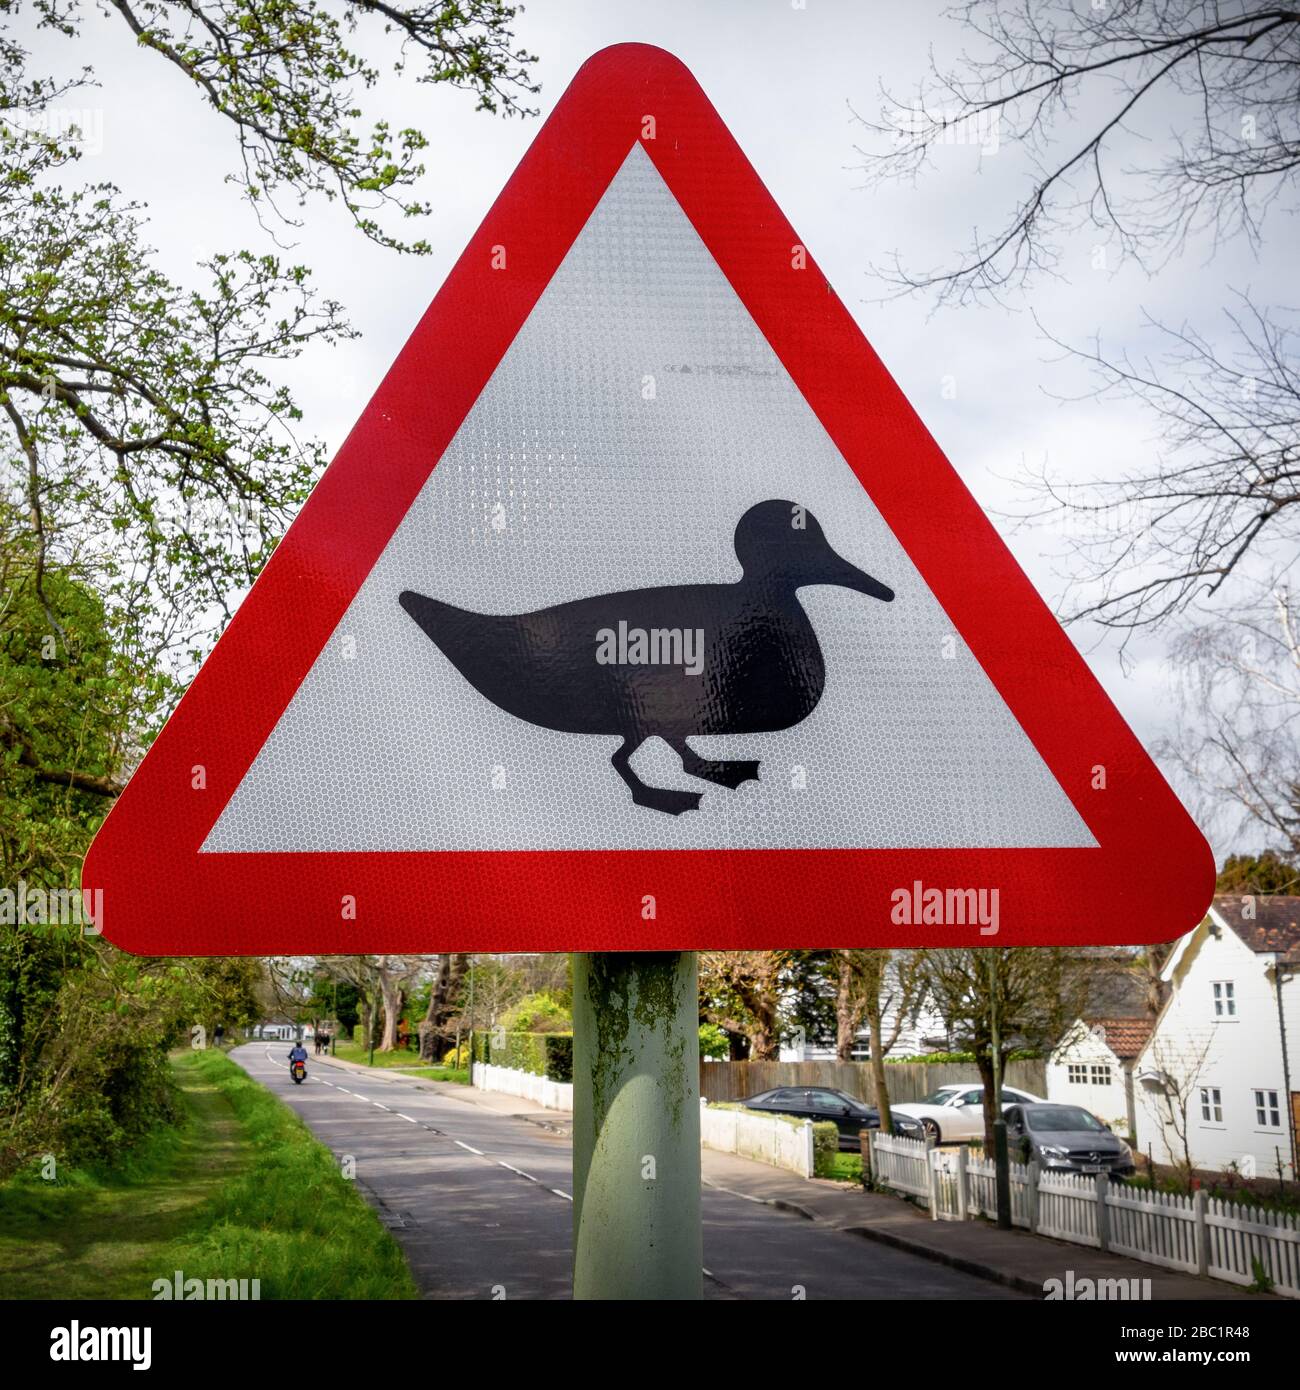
1077	1074
1100	1074
1211	1105
1268	1114
1225	999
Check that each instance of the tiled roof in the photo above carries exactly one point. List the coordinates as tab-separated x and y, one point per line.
1124	1036
1268	925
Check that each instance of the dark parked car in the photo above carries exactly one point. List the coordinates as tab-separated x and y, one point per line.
821	1103
906	1126
1066	1138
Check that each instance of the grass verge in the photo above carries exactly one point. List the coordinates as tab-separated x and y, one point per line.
240	1190
459	1075
354	1052
408	1062
843	1167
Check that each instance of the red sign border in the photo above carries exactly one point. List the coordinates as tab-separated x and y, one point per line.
1150	879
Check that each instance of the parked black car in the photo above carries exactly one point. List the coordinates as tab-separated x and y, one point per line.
906	1126
1066	1138
849	1114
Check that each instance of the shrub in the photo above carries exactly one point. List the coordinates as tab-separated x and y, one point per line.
543	1054
84	1035
1021	1054
826	1145
714	1042
538	1013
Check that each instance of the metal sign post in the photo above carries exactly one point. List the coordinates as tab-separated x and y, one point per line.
636	1130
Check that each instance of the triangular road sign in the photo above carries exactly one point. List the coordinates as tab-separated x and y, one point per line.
637	478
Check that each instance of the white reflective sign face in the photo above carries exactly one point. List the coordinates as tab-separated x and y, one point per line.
634	421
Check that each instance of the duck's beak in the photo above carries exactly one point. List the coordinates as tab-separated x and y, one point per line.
838	571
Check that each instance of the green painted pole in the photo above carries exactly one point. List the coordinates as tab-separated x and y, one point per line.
636	1126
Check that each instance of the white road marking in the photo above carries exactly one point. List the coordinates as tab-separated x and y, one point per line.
469	1148
502	1163
731	1192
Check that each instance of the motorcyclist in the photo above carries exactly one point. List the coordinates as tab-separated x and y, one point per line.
298	1054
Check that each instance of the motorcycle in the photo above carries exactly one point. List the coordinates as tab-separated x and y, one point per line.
298	1070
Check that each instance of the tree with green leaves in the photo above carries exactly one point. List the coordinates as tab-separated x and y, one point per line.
1260	874
151	457
147	444
743	992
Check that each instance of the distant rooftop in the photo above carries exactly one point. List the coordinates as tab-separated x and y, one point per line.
1124	1036
1269	925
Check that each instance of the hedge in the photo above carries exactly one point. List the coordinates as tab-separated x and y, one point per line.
543	1054
939	1058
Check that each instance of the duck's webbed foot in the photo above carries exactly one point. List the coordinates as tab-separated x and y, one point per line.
724	774
664	799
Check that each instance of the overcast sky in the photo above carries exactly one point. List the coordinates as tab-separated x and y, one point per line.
784	80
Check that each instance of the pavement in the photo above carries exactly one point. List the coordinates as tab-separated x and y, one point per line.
767	1233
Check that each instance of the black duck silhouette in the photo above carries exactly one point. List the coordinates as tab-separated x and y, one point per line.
689	659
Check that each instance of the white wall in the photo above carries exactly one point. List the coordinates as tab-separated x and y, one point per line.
1234	1055
1108	1102
550	1095
770	1139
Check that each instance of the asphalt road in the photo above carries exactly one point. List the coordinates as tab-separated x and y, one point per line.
481	1202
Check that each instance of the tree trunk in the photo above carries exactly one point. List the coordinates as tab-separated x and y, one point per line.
392	1003
846	1014
765	1040
763	1048
984	1061
878	1076
1153	960
433	1030
737	1047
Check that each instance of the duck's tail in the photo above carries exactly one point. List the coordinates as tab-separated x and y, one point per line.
489	651
437	620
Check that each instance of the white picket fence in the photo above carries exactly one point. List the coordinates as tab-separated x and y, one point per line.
1196	1234
766	1138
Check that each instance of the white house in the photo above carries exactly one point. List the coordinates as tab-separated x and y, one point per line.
1093	1066
1218	1079
923	1030
276	1029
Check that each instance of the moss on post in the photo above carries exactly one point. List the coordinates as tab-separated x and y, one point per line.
636	1142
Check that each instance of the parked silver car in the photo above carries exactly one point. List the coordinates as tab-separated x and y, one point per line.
1066	1137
